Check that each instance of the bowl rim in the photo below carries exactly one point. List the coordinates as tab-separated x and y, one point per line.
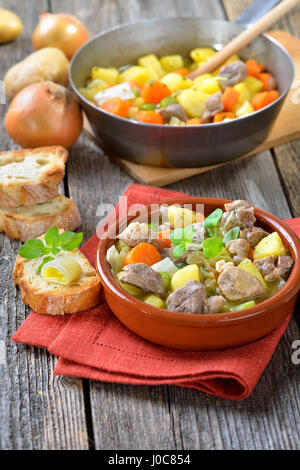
290	289
163	126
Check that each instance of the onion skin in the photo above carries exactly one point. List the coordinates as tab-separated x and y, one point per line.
61	30
44	114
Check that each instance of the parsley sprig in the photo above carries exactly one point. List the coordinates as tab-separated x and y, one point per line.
52	244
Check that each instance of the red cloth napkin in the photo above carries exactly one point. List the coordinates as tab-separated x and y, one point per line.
95	345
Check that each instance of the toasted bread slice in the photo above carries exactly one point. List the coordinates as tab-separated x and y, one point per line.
24	223
55	299
31	176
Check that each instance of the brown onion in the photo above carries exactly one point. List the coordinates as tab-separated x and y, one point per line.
61	30
44	114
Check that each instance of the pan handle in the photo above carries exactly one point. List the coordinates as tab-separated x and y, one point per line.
255	11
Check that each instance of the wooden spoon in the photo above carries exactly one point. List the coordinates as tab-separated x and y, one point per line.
243	39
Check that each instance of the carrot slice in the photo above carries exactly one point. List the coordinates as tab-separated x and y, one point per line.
229	98
155	92
268	81
116	106
262	99
164	239
183	71
193	122
149	117
143	253
254	68
134	84
219	117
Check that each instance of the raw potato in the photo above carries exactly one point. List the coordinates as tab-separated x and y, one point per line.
46	64
10	26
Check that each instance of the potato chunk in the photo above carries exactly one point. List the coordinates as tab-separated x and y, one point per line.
250	267
268	246
182	276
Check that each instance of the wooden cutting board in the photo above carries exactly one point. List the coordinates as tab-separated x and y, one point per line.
285	129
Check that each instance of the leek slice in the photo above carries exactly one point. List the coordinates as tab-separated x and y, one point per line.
61	270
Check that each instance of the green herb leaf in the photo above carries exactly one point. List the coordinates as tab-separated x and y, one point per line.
52	237
45	260
46	250
31	249
212	247
177	236
213	218
232	234
55	250
70	240
179	250
188	233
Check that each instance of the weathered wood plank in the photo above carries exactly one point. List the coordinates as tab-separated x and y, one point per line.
37	411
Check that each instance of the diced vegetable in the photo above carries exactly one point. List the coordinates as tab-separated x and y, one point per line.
154	300
268	81
166	280
254	84
152	63
268	246
164	239
219	117
182	276
116	258
209	86
249	304
193	122
180	217
260	100
165	265
149	117
155	92
122	91
143	253
244	94
171	62
193	102
229	98
116	106
175	121
148	107
244	110
250	267
175	81
137	74
254	68
167	101
183	71
109	75
202	54
132	290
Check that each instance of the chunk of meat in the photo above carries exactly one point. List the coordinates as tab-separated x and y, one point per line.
242	217
285	264
188	299
253	235
214	304
271	272
235	72
173	110
168	253
213	105
237	284
143	276
237	204
239	248
135	233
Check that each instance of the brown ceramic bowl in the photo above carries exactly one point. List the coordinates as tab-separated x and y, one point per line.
211	331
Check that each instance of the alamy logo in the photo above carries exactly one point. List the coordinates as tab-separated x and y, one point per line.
2	92
296	353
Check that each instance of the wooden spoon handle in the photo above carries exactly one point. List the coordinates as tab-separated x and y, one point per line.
243	39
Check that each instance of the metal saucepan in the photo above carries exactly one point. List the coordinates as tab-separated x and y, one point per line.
168	146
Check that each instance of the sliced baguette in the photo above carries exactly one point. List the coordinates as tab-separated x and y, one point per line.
24	223
55	299
31	176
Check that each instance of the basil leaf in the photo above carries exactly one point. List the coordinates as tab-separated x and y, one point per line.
212	247
213	218
31	249
69	243
232	234
52	237
177	236
45	260
188	233
179	250
55	250
46	250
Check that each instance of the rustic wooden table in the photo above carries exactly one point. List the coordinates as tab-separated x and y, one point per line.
40	411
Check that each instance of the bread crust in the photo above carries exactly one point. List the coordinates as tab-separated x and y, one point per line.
24	228
65	300
39	190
